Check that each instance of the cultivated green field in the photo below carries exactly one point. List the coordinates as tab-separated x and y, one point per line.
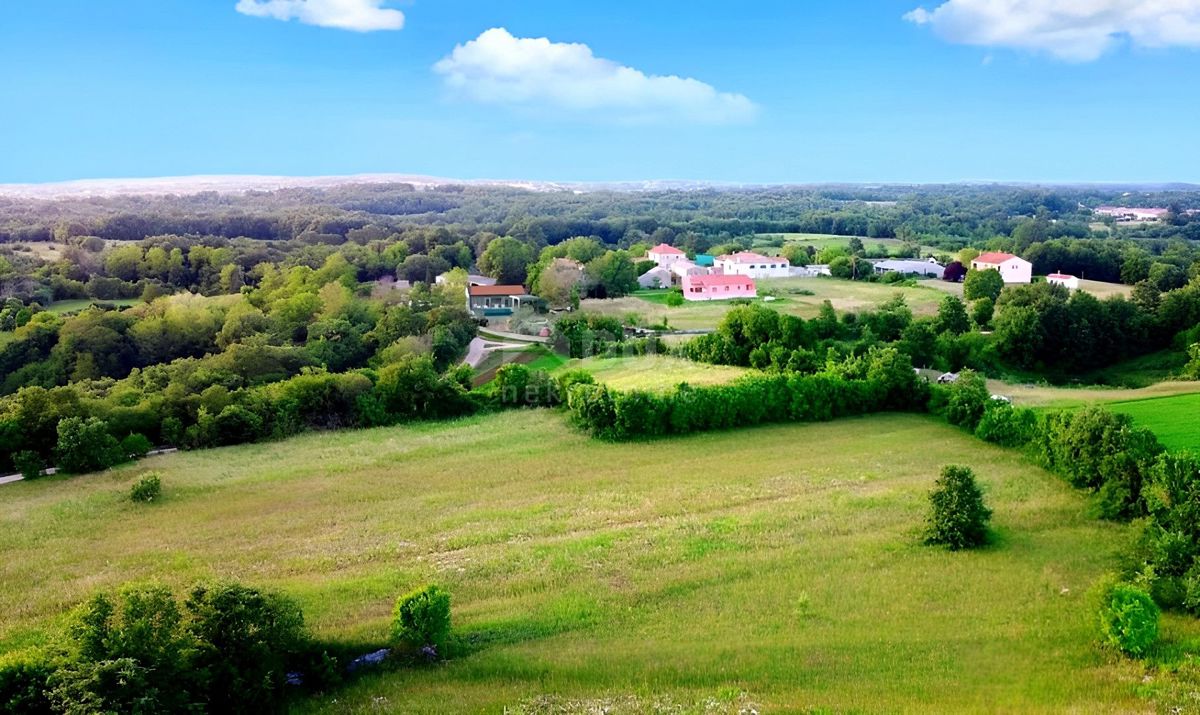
654	372
778	567
1051	396
1176	420
844	295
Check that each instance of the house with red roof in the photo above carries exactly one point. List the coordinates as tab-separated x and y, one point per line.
1066	280
665	255
495	300
1013	269
718	287
753	265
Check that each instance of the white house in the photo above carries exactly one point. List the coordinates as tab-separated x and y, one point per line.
925	269
753	265
665	255
1012	268
809	271
682	269
1063	279
656	277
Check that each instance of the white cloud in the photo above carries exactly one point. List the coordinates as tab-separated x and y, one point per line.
358	15
1071	30
497	68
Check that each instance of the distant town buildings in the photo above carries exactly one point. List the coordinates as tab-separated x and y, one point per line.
1012	269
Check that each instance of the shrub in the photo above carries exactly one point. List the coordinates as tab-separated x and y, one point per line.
966	400
246	641
146	489
23	684
422	619
85	445
130	654
136	445
1128	619
1006	425
675	298
29	463
958	517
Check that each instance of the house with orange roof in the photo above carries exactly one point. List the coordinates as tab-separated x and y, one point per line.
1013	269
495	300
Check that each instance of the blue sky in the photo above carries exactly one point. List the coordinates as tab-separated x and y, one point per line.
782	91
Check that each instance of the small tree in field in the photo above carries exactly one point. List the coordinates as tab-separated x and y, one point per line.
958	517
422	619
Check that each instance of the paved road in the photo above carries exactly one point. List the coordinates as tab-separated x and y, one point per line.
17	477
481	348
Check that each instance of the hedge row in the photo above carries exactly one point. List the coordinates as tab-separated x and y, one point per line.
613	415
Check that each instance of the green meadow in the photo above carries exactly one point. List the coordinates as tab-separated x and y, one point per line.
777	569
1175	420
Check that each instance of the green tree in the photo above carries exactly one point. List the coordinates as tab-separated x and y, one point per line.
506	259
85	445
957	517
1019	335
614	274
952	316
982	311
983	284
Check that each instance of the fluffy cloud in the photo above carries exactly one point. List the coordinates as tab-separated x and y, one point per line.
358	15
498	68
1071	30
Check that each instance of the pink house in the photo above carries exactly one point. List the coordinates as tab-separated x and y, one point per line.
718	287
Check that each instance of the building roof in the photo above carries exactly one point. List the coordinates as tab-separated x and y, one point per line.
657	270
994	258
479	280
712	281
910	266
495	290
667	250
751	257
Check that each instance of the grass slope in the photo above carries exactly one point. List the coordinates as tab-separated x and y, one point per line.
1176	420
1029	395
778	566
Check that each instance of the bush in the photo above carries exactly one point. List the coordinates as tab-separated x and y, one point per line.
247	639
422	619
966	399
135	446
29	463
958	517
675	298
1128	619
1006	425
23	684
146	489
85	445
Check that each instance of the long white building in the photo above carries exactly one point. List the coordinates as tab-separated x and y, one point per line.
753	265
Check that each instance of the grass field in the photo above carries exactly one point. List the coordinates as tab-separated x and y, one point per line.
76	305
1176	420
844	295
776	567
654	372
1051	396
